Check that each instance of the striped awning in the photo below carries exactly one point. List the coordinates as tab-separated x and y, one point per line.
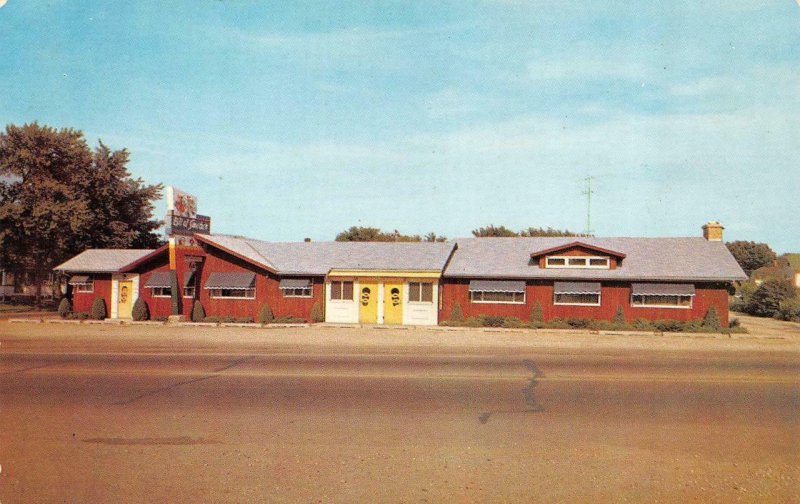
80	279
497	286
159	279
238	280
577	287
295	283
662	289
188	279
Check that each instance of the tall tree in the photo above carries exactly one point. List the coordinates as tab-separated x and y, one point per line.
492	231
57	198
751	255
371	234
539	231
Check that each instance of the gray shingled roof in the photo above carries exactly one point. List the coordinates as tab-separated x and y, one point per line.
318	258
672	259
102	260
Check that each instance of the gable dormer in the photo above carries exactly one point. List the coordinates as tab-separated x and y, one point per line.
578	255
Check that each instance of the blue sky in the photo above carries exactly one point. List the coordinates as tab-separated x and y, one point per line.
299	119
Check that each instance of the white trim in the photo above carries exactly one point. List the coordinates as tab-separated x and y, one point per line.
566	264
599	300
668	307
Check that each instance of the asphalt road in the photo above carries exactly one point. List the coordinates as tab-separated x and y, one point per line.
550	426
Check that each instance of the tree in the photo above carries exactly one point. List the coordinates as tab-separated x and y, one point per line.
751	255
58	198
766	300
532	231
371	234
492	231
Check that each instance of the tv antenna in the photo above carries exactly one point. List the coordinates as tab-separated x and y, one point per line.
588	192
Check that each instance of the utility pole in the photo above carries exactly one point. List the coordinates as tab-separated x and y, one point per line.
588	192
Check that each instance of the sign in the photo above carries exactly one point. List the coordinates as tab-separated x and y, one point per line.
178	224
181	203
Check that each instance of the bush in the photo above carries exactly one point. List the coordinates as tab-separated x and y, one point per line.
288	320
537	315
140	310
491	321
766	300
98	311
581	323
198	313
316	313
175	301
265	316
457	315
619	318
64	308
78	316
789	309
668	325
513	323
472	322
641	324
711	320
558	323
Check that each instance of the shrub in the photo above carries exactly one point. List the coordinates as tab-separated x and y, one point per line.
537	315
619	318
668	325
198	313
78	316
140	310
711	320
472	322
265	315
492	321
581	323
316	313
789	309
735	322
513	323
175	301
457	315
98	311
288	320
558	323
64	308
766	300
641	324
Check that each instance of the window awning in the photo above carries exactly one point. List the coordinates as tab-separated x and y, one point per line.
80	279
577	287
220	280
497	285
662	289
295	283
159	279
188	279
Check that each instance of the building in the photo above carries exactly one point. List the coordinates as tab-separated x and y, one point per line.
416	283
785	267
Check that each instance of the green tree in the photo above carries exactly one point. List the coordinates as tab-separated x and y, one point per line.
751	255
140	310
57	198
265	315
766	300
198	313
371	234
98	310
532	231
492	231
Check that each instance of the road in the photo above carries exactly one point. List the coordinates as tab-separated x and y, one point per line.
495	425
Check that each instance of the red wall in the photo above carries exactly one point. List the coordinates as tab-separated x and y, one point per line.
158	306
82	301
267	291
612	296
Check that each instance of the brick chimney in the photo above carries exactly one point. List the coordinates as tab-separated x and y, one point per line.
712	231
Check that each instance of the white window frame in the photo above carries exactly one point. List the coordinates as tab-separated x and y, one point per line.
189	291
306	292
412	286
586	265
342	299
249	293
84	288
668	307
158	292
481	301
599	299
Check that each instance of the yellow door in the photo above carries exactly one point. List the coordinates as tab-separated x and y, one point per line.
393	304
125	300
368	303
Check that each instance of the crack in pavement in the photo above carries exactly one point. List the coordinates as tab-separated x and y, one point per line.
234	363
531	404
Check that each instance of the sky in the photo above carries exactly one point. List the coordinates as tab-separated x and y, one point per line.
290	120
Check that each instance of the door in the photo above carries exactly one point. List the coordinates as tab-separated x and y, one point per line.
125	300
393	304
368	303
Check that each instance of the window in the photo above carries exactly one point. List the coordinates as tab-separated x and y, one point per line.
497	297
661	301
161	291
577	299
342	291
420	292
189	284
234	293
577	262
297	292
82	283
296	287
